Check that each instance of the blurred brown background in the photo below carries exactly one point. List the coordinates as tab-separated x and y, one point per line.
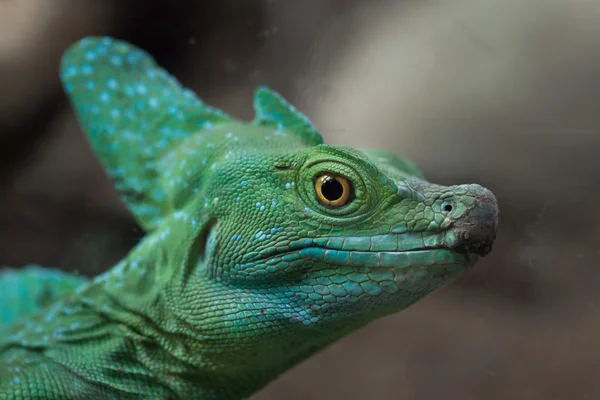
504	94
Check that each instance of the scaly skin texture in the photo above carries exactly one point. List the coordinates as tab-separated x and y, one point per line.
244	270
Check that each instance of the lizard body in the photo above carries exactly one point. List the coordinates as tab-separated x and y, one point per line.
263	245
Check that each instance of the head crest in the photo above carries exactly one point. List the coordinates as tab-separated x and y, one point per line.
272	110
133	112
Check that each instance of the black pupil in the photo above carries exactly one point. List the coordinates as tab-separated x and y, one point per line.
332	189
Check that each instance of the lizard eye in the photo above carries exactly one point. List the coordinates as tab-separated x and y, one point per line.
334	190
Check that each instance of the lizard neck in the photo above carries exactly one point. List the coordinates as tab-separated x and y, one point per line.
197	335
218	350
245	342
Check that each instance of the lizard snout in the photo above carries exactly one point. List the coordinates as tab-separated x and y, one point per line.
476	229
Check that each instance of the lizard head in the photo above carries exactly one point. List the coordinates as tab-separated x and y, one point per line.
328	234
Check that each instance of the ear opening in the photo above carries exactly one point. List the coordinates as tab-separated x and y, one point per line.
204	245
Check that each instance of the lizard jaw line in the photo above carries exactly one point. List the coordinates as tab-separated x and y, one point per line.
415	249
419	257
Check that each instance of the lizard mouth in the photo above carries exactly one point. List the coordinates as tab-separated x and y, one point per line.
391	250
390	259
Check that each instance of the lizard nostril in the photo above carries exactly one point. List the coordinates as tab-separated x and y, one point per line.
446	207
